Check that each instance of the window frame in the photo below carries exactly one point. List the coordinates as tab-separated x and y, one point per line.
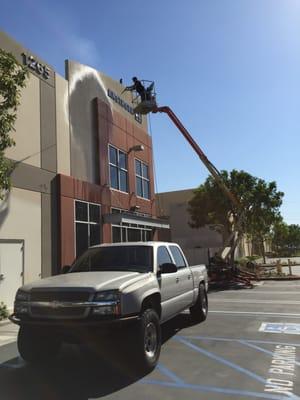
142	179
110	164
141	228
88	222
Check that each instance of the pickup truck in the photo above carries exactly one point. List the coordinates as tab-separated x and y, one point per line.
133	287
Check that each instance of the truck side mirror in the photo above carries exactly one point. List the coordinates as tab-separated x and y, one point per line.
65	269
168	268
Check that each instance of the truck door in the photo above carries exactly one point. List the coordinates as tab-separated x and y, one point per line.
184	275
169	285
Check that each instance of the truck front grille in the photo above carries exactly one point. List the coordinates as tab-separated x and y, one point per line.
58	295
55	295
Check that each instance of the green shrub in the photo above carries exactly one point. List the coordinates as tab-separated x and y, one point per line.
3	311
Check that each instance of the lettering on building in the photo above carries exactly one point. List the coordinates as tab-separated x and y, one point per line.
37	67
117	99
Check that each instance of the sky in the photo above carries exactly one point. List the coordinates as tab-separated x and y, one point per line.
230	70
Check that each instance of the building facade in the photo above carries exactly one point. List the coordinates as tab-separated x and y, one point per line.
198	244
83	171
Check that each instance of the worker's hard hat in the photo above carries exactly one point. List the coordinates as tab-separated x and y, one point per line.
134	78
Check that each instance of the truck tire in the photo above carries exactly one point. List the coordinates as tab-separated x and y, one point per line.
36	346
200	308
146	341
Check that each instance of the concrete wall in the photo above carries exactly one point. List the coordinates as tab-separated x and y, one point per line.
20	218
195	242
27	127
43	146
62	126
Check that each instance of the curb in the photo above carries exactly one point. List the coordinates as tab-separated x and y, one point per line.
296	278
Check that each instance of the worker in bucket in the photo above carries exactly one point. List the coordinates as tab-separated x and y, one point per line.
138	87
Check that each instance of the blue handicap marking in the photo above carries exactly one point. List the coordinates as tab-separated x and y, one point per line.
289	328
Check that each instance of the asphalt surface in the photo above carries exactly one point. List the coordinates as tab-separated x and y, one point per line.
226	357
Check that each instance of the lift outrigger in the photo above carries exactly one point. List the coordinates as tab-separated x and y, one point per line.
224	269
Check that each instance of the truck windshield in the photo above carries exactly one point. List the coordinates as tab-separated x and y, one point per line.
115	258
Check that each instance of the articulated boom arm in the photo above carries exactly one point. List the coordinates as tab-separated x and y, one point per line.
211	168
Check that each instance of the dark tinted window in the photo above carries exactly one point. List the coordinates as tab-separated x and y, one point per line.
94	213
163	256
134	235
179	260
82	241
146	189
87	226
123	181
113	155
122	160
139	186
114	177
116	258
145	171
94	234
118	169
138	167
116	234
81	211
148	235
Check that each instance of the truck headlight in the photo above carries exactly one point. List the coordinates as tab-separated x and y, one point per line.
20	302
22	296
109	303
21	309
107	295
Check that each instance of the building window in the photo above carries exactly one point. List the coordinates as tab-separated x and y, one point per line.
142	179
87	225
130	232
118	171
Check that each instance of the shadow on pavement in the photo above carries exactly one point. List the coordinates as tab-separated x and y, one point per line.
76	374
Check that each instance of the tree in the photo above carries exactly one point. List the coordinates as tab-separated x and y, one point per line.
260	202
279	236
12	80
285	238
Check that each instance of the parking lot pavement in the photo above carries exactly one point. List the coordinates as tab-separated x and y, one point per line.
229	356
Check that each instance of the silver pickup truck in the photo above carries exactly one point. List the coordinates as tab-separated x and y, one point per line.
134	287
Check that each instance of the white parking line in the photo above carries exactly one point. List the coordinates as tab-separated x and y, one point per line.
256	301
288	315
256	292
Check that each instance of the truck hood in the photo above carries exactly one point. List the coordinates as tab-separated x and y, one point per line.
104	280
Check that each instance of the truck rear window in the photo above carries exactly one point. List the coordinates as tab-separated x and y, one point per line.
116	258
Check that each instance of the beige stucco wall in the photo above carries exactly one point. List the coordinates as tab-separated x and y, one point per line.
194	242
27	134
62	126
20	218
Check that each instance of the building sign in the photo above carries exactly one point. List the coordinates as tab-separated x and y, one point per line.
117	99
37	67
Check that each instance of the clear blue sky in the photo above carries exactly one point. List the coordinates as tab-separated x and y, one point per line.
230	69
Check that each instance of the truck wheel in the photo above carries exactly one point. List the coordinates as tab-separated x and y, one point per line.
146	342
36	346
200	308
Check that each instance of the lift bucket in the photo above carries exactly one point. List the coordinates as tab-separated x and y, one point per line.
145	107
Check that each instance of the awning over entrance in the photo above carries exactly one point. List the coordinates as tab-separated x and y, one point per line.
129	218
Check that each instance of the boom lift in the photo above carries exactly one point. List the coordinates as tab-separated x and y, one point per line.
223	267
